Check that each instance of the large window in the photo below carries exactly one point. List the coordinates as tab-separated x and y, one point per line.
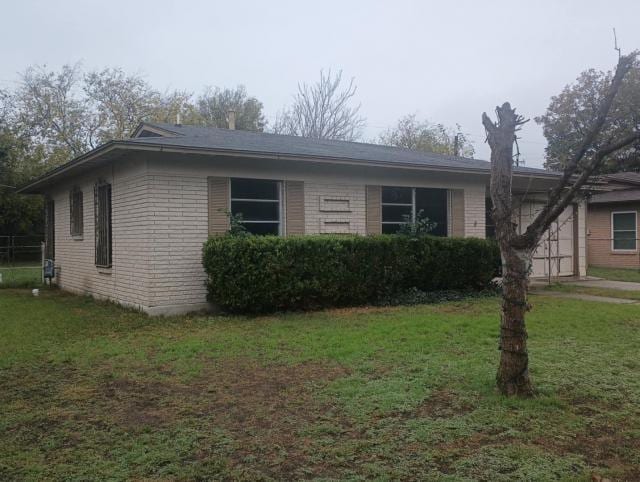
258	201
402	204
75	212
50	229
102	208
623	227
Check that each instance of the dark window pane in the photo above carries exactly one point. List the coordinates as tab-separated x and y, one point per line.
399	195
624	221
433	204
624	240
254	189
262	228
395	213
390	228
256	211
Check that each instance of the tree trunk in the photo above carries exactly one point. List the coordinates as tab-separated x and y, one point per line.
513	372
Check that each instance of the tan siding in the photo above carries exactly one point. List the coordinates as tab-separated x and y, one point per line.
599	245
334	208
374	209
457	213
218	188
294	193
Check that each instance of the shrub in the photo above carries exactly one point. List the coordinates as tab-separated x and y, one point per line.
259	274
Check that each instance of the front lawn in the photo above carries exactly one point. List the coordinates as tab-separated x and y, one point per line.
593	291
615	274
92	391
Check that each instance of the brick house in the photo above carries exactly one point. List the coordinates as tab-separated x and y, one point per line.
612	222
127	220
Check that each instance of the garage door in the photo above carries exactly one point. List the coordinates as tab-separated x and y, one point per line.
555	253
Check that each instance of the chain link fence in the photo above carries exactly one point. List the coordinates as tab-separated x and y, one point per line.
21	261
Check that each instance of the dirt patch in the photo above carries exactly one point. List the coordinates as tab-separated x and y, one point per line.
443	403
262	407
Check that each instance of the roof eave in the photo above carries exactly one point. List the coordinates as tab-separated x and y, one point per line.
33	186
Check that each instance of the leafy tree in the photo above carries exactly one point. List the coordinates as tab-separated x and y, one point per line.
117	103
571	113
19	161
212	107
426	136
323	110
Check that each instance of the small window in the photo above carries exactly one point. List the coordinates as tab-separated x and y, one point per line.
402	204
258	202
50	230
102	208
623	226
76	212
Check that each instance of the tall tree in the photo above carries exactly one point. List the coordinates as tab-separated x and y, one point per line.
426	136
323	110
570	113
117	103
50	108
214	104
19	160
588	154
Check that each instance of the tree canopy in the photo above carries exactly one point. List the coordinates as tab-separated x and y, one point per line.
411	133
571	112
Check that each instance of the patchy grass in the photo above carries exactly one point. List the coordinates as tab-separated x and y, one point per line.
592	290
93	391
21	275
615	274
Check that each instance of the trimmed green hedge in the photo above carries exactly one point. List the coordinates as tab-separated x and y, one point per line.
259	274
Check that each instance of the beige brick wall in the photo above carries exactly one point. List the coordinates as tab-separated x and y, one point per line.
127	281
599	246
178	228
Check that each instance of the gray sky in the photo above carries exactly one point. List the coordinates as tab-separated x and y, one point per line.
445	61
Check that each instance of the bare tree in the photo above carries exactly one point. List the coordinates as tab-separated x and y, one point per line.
323	110
517	249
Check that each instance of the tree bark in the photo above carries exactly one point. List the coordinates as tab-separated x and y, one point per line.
513	371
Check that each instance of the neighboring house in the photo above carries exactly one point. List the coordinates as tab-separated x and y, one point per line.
612	222
127	221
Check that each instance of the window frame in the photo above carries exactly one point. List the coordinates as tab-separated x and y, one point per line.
635	231
76	212
279	201
103	237
414	210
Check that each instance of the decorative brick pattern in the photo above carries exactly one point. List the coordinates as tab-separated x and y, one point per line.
317	221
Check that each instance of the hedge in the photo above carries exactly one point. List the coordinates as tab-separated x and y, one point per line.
259	274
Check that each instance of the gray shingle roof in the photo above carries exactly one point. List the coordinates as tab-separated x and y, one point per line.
258	142
617	196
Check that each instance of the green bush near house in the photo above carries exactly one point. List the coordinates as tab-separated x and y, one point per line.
259	274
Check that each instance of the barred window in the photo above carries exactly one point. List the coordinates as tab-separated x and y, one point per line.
76	212
50	231
102	208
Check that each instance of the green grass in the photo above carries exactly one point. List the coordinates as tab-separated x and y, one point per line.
615	274
593	291
92	391
21	275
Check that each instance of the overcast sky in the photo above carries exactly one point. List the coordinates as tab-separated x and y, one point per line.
446	61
